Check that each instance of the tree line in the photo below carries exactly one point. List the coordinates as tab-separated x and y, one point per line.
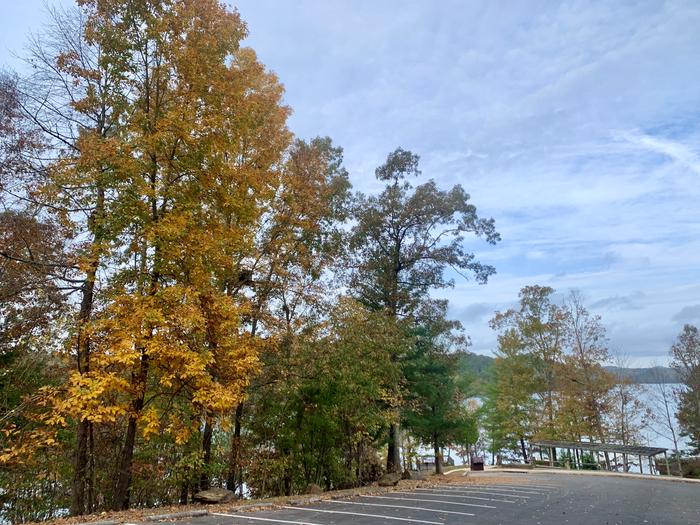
549	381
191	295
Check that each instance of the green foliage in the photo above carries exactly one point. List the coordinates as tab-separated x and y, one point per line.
406	237
548	380
323	402
589	462
436	412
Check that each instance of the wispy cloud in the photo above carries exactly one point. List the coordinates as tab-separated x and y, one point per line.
674	150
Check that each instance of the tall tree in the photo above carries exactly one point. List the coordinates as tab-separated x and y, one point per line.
585	385
297	241
200	130
510	407
685	359
404	241
73	102
536	329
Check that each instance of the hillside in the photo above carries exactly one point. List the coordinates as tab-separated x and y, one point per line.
655	374
479	366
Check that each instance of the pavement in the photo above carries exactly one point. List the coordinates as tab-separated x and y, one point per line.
532	499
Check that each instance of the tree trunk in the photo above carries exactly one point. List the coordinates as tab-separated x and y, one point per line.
393	457
122	489
91	469
522	446
438	457
234	478
81	475
206	449
287	479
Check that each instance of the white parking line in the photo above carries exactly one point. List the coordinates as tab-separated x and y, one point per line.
476	492
481	498
246	517
439	501
399	507
482	487
490	487
523	487
366	515
535	485
531	484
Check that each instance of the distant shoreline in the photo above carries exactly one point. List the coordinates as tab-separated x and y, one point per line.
479	365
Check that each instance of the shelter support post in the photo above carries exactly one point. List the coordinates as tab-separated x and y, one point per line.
668	467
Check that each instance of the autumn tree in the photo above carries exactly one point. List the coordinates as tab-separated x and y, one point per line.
73	103
585	385
163	128
550	379
536	329
297	243
405	240
685	359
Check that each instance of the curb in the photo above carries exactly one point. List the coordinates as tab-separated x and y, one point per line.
251	506
673	479
170	516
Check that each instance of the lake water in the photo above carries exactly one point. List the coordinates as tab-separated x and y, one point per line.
655	434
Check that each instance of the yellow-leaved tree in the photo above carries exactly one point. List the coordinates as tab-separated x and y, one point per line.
196	151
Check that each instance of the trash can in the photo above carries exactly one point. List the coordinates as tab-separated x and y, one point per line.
477	463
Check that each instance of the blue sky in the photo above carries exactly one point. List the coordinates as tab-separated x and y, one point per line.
575	125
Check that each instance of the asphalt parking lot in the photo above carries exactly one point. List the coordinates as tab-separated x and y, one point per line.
541	499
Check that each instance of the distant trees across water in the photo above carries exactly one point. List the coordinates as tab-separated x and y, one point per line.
479	364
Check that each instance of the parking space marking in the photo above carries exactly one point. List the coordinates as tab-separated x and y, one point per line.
476	492
400	507
439	501
527	484
481	487
467	487
366	515
479	498
258	518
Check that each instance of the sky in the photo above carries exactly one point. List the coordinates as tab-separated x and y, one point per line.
575	125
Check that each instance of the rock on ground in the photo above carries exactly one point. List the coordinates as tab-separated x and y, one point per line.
414	474
389	479
215	495
312	488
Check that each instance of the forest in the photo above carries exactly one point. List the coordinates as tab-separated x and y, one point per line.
194	297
